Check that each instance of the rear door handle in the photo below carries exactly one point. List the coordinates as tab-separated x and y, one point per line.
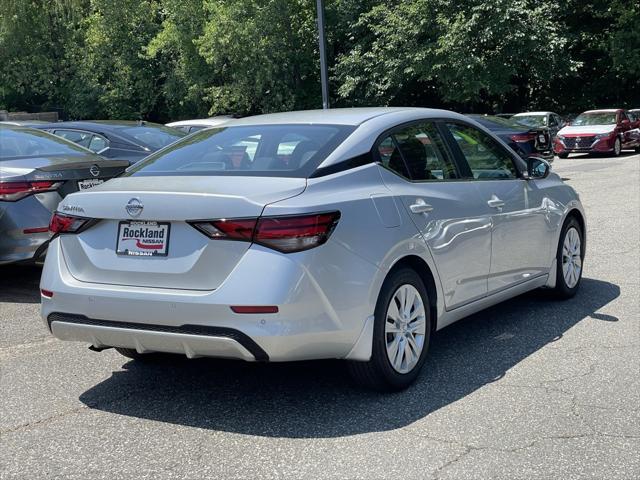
495	202
420	206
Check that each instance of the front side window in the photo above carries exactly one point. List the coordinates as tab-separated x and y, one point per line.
154	137
258	150
486	158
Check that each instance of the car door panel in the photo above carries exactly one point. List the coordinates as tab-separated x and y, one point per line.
519	224
447	212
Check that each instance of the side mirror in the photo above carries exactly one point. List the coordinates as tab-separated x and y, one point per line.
625	121
537	168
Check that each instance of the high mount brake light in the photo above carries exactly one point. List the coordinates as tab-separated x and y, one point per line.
66	223
12	191
287	234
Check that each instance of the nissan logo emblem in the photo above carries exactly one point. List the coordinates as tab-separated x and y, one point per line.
94	170
134	207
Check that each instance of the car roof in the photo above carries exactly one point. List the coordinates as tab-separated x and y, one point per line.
333	116
211	121
531	113
99	124
604	110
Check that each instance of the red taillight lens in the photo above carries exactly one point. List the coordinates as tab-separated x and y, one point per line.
523	137
295	233
66	223
286	234
12	191
232	229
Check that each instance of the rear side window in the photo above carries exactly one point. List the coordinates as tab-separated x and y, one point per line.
81	138
259	150
418	153
486	158
98	143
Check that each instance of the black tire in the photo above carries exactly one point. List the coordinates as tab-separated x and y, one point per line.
562	290
617	147
637	149
563	155
377	373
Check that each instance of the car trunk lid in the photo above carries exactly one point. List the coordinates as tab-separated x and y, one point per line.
180	256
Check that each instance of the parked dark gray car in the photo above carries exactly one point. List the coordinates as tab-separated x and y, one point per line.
37	170
116	139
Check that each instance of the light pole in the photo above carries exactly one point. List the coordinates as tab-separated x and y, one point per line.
324	74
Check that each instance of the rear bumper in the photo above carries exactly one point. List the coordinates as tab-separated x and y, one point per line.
191	340
15	218
318	318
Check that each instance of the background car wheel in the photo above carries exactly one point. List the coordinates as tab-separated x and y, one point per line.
401	334
563	155
617	147
569	258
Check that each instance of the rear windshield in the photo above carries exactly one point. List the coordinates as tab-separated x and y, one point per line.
258	150
530	120
603	118
15	143
153	138
497	123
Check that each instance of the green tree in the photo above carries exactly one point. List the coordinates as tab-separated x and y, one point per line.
35	37
263	53
117	79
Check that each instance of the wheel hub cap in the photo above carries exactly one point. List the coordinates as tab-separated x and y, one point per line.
405	328
571	257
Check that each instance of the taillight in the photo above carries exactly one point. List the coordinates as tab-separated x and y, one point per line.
12	191
523	137
291	233
66	223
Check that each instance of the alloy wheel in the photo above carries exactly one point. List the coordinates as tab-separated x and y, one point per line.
405	328
617	147
571	257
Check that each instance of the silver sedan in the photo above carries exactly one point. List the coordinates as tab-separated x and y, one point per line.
348	233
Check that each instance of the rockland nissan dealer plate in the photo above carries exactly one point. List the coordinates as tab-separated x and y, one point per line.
143	239
87	184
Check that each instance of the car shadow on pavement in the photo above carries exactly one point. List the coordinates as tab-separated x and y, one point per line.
20	283
318	399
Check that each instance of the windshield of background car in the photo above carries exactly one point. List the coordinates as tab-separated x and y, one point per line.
604	118
30	143
154	138
530	120
251	150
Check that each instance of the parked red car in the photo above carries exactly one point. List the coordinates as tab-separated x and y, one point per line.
599	131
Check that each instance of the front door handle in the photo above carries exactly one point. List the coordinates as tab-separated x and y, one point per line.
495	202
420	206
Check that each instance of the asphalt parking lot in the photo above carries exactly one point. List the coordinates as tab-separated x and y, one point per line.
532	388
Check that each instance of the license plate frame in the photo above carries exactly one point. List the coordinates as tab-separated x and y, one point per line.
89	183
155	247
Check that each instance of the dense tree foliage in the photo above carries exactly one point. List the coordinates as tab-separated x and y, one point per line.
161	59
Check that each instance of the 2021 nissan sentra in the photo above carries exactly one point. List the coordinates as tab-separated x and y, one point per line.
348	233
37	170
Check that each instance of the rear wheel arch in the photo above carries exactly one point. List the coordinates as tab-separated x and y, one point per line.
423	270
